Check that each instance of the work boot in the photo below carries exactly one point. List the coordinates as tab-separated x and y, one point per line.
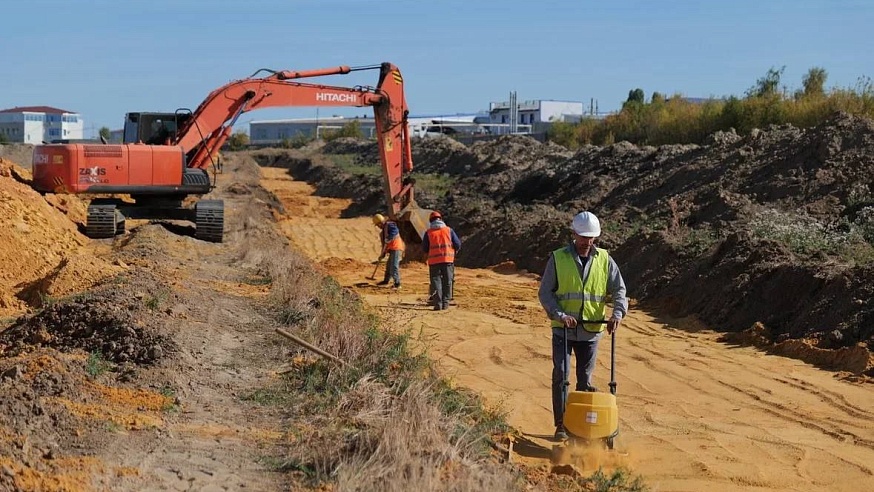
560	432
396	286
438	307
384	282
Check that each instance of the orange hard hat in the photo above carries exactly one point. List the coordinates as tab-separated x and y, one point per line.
434	216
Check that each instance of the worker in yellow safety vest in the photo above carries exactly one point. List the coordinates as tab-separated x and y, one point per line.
576	282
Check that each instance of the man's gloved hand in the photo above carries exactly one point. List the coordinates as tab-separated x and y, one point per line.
569	321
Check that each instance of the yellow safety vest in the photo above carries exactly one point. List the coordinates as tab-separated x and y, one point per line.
583	302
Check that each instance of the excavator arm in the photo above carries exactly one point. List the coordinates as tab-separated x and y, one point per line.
211	124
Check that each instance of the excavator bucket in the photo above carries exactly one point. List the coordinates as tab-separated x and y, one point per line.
413	223
417	217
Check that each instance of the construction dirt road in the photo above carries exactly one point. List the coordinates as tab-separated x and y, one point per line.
696	413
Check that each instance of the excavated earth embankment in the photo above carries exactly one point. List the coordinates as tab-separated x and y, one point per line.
775	227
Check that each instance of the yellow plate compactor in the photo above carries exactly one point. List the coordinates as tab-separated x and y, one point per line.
590	417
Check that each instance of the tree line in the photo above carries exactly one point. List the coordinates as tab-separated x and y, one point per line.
676	119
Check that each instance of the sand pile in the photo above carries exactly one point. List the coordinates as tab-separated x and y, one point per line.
38	241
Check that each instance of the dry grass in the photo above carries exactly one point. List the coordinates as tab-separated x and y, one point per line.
383	424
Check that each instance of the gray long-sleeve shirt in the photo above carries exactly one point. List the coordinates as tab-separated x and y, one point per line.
549	283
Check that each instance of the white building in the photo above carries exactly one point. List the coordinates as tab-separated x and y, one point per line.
533	116
38	124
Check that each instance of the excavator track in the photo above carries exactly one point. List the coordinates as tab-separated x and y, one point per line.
209	220
101	222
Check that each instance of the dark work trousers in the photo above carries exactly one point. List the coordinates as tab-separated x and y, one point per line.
441	283
393	266
432	297
585	353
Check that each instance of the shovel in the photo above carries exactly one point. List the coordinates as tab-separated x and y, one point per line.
375	268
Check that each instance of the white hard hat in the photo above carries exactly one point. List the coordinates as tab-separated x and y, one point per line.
586	224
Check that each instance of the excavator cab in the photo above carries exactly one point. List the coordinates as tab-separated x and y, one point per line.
153	128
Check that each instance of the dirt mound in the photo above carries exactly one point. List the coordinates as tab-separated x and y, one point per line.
34	428
856	359
12	170
34	238
502	159
366	152
441	155
343	263
73	274
74	208
41	248
104	321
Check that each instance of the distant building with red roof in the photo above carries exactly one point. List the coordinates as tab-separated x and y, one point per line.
38	124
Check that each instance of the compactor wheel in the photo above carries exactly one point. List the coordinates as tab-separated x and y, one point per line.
101	221
209	220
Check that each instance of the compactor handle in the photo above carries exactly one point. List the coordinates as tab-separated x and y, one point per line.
612	363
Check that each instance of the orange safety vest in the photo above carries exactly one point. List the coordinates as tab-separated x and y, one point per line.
440	248
396	244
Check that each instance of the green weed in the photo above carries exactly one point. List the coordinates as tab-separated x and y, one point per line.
153	302
349	164
258	280
46	301
96	364
112	427
170	395
620	480
278	395
436	184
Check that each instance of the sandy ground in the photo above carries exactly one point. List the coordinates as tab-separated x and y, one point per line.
695	414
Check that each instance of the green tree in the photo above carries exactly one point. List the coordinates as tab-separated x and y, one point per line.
769	85
657	97
238	141
814	81
351	129
564	134
636	96
104	132
3	139
297	141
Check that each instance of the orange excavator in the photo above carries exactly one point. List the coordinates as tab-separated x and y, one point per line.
165	157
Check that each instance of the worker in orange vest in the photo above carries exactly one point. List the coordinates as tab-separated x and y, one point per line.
441	244
393	246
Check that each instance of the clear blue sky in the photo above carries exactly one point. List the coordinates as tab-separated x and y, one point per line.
103	58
